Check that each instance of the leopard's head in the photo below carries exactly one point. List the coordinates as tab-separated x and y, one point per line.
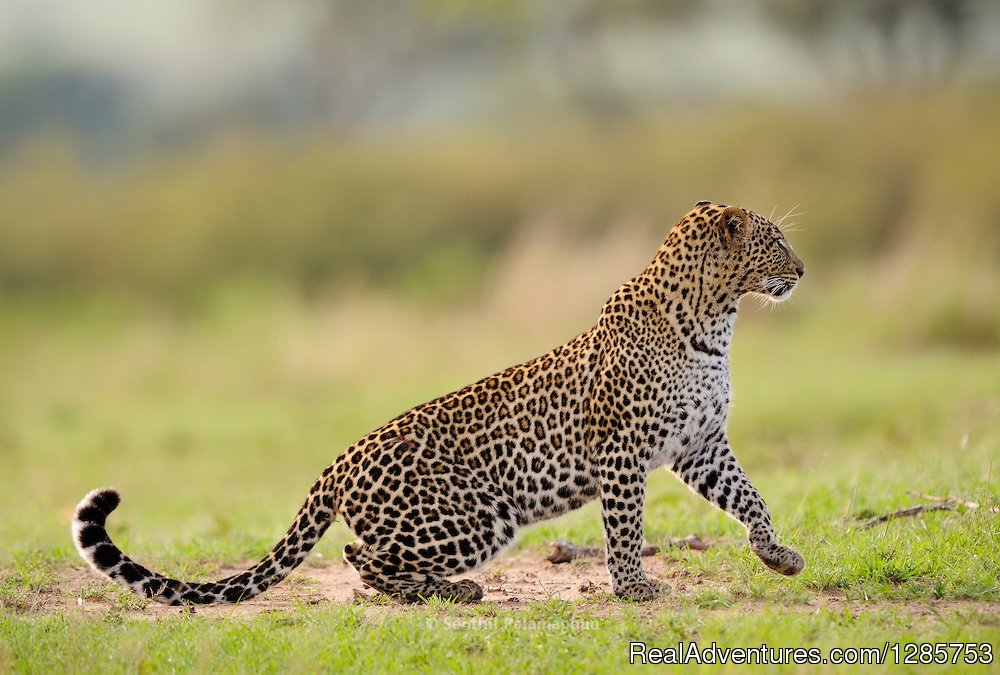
753	255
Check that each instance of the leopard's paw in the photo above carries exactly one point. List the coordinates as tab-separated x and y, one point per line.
642	590
783	560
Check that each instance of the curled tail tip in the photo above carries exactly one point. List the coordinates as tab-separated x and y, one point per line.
89	535
107	499
96	506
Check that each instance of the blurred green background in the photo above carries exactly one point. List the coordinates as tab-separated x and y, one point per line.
235	232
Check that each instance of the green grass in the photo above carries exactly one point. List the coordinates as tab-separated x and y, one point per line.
557	638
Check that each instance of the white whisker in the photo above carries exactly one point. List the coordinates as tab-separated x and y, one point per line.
789	226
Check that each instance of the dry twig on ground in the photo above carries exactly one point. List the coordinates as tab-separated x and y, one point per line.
902	513
565	551
949	503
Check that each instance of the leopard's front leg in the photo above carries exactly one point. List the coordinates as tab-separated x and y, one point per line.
714	472
623	494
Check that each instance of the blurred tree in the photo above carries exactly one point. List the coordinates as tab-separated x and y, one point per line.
895	43
88	104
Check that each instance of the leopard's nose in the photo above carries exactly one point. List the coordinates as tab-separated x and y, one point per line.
800	269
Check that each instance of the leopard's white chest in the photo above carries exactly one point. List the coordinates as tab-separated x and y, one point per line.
693	414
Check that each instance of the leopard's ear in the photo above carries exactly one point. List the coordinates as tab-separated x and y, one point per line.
733	225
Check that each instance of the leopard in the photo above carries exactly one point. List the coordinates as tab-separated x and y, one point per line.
446	486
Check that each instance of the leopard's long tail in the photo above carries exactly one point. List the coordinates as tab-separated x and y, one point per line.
94	544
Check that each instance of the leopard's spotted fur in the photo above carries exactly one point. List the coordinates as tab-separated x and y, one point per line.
445	486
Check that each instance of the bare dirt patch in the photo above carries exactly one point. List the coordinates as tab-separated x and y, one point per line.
514	581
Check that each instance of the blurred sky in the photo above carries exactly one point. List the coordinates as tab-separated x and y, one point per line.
128	76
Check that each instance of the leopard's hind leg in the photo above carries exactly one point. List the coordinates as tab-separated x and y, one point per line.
423	522
390	575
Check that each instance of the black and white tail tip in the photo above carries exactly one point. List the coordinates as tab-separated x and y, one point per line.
89	531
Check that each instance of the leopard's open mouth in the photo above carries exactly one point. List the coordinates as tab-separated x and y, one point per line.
778	288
